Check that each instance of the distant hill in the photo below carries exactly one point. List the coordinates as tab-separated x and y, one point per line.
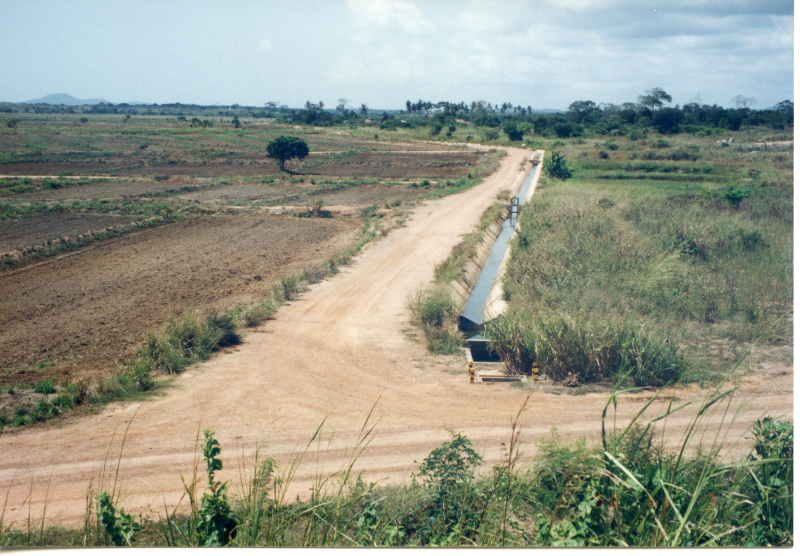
66	100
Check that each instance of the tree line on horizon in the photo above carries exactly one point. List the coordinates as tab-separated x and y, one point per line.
652	110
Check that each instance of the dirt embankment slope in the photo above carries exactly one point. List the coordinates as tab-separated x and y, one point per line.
341	350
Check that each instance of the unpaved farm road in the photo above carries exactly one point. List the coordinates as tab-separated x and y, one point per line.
345	347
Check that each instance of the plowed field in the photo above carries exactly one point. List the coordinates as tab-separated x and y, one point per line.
76	314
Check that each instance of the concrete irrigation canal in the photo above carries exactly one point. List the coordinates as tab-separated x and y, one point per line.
485	301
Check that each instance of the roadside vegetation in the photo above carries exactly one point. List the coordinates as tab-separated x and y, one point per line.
628	491
434	308
659	241
616	269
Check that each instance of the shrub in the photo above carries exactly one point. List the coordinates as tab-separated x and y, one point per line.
435	311
771	486
751	238
433	308
556	166
216	523
314	274
118	525
260	312
450	513
443	341
185	340
289	288
735	196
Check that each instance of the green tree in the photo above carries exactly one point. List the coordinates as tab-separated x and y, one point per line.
654	99
511	130
285	147
556	166
342	106
666	120
581	108
786	108
564	129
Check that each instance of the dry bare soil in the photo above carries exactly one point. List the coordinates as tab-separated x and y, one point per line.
72	316
341	353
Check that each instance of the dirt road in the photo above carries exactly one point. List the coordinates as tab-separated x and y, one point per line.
343	348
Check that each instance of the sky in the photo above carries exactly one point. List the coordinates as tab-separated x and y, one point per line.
538	53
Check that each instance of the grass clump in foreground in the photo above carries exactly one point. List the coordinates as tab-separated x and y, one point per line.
436	312
628	491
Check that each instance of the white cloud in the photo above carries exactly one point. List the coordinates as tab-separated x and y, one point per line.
264	44
580	5
404	15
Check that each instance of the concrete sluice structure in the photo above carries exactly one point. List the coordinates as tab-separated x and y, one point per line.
481	288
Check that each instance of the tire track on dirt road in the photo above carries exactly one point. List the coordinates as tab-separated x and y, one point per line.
340	351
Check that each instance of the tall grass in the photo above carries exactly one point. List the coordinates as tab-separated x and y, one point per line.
659	263
435	311
590	350
188	339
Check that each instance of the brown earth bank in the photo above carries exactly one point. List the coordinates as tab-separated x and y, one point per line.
21	232
81	311
108	189
343	353
203	190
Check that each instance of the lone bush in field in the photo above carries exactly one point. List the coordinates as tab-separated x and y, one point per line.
735	196
556	166
285	148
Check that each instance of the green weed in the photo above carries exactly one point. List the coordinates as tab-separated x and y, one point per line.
45	387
